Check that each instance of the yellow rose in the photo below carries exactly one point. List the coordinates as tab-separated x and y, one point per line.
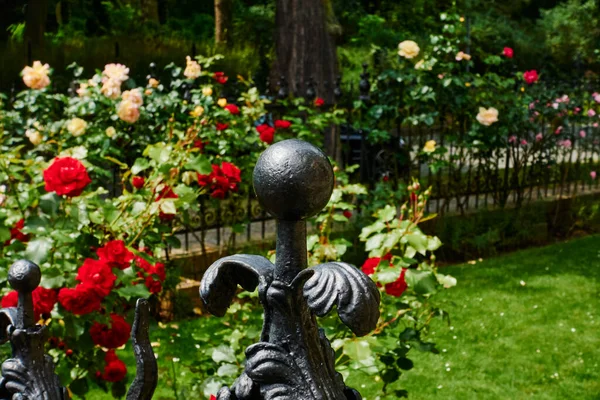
198	111
487	116
153	83
192	69
429	146
111	131
420	64
462	56
207	91
222	102
408	49
76	127
36	76
128	111
34	136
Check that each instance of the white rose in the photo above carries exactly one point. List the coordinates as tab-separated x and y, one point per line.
192	69
408	49
34	136
76	127
487	116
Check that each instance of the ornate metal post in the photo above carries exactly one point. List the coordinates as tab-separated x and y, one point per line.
293	181
29	374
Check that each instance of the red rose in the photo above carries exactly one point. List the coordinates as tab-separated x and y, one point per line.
397	288
199	144
138	182
15	233
372	263
282	124
153	285
66	176
221	127
231	171
97	275
531	77
115	254
233	109
319	102
43	301
348	214
213	397
266	133
115	336
81	300
220	77
508	52
115	369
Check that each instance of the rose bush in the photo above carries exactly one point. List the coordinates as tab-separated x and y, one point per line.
97	185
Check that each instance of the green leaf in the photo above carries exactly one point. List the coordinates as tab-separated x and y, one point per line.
375	242
419	241
49	203
422	282
433	243
223	353
133	291
4	234
140	165
389	274
387	213
38	249
200	164
369	230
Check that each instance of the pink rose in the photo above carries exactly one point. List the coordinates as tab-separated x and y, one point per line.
565	143
523	142
591	113
593	174
558	130
582	133
512	139
539	137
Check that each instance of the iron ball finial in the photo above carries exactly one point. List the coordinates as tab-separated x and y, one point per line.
293	180
24	276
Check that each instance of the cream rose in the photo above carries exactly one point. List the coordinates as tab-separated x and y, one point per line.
408	49
207	91
462	56
134	96
76	127
487	116
192	69
36	76
222	102
111	89
153	83
128	111
34	136
115	72
111	131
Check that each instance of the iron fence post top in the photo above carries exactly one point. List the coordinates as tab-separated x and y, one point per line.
293	180
24	276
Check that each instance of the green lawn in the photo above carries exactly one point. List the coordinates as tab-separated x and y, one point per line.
525	325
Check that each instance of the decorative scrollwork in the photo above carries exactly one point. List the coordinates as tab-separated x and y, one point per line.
355	294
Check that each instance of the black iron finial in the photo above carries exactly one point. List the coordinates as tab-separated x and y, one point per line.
283	90
364	86
293	181
146	377
337	90
29	374
24	276
310	89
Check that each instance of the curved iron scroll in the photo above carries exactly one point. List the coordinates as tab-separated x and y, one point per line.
294	360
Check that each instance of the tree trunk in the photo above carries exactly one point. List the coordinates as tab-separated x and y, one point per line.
35	21
305	49
223	21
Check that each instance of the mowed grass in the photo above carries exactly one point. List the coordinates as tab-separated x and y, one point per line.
523	326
